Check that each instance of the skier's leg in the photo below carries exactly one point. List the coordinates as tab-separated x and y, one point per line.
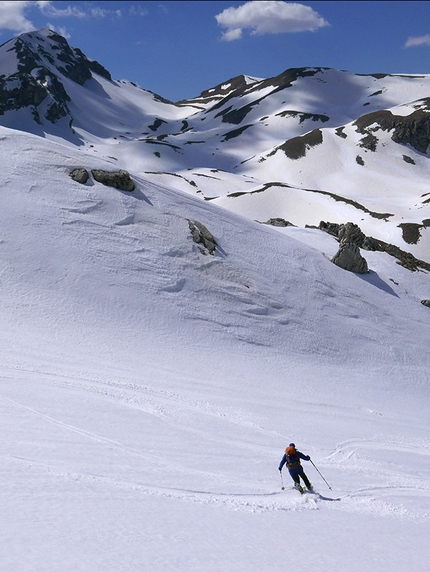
296	479
306	480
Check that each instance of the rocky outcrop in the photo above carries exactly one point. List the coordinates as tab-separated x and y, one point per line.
41	58
30	90
353	232
119	179
411	232
202	236
426	303
413	129
297	147
80	175
350	232
279	222
351	239
349	258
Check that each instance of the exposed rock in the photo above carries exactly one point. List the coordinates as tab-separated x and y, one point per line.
29	90
405	259
119	179
373	244
413	129
157	123
278	222
330	227
297	147
349	258
303	116
350	232
369	141
426	303
80	175
201	235
235	133
411	232
339	132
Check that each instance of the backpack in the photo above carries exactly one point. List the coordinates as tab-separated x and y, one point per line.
292	458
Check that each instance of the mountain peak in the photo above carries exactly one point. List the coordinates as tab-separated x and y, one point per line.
50	49
34	66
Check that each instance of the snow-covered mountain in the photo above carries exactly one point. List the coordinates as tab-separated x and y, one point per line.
308	145
148	388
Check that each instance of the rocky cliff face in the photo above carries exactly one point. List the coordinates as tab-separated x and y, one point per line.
40	61
412	129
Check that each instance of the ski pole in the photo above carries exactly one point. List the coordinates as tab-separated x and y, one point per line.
282	480
320	474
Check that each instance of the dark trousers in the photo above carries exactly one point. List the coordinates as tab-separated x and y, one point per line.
296	479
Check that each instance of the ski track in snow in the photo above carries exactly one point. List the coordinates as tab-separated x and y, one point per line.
363	501
367	500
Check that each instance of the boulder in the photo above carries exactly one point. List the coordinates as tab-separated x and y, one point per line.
80	175
426	303
119	179
201	235
349	258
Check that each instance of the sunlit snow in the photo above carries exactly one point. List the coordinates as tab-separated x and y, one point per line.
148	389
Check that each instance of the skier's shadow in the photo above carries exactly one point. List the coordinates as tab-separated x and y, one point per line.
321	497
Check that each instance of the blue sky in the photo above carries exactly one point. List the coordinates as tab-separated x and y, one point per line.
178	49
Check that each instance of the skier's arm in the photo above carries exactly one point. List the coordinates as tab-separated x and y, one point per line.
304	457
283	461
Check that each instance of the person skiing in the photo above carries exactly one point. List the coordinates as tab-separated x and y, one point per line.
292	459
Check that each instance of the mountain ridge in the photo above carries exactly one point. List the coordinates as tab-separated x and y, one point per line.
338	133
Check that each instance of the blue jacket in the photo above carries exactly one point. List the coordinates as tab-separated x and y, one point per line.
293	462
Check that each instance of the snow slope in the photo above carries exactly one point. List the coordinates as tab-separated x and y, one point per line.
147	391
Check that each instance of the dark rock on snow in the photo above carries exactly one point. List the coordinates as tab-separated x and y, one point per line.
349	258
413	129
279	222
80	175
201	235
352	232
120	179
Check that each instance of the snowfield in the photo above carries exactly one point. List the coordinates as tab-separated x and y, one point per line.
148	391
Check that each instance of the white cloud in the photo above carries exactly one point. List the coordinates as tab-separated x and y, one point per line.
137	10
13	14
268	17
60	30
51	11
12	17
418	41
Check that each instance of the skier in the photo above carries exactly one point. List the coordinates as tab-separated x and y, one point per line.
292	459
